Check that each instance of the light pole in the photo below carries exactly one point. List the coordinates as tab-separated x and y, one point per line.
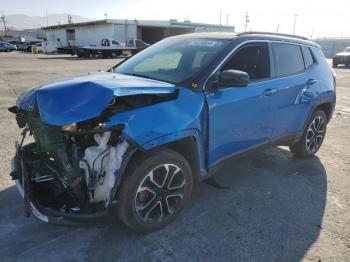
246	21
3	18
106	16
295	22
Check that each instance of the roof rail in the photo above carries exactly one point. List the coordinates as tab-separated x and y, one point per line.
271	33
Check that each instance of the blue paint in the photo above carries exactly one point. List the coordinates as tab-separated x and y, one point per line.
223	122
166	122
83	98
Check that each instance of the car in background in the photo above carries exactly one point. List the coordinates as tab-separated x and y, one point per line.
139	44
139	136
37	48
5	47
342	58
15	43
27	47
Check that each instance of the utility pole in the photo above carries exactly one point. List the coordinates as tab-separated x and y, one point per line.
47	19
295	22
227	15
3	18
278	28
220	16
69	19
246	17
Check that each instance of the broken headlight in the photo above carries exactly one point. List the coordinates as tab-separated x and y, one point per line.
69	128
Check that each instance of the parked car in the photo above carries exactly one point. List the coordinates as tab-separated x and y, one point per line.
342	58
15	43
5	47
139	136
37	48
139	44
27	47
23	47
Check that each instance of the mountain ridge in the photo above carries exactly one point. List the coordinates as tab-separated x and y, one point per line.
22	21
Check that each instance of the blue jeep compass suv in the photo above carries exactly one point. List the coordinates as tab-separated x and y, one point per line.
136	138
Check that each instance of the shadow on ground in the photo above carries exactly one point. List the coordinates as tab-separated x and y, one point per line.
272	211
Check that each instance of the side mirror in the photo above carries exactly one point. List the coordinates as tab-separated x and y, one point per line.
233	78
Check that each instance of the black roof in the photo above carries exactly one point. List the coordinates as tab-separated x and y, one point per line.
252	36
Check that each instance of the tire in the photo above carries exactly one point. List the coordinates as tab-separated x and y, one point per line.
154	190
313	136
335	65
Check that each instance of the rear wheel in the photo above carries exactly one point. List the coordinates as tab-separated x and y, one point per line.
154	190
335	64
312	137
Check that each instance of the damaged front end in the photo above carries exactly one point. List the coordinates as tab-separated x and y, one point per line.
65	170
71	172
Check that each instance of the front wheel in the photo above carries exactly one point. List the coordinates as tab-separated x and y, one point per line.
154	190
312	137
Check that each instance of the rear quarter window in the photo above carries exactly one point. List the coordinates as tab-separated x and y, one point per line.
319	56
308	58
288	59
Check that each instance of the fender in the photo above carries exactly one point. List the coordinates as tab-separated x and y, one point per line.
167	122
323	98
195	134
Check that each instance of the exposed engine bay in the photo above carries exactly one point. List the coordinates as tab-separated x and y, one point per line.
76	168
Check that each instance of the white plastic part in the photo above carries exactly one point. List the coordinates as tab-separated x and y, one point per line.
103	191
106	160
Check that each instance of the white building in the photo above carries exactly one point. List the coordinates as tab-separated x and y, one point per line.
150	31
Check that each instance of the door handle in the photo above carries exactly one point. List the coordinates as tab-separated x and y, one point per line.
269	91
311	82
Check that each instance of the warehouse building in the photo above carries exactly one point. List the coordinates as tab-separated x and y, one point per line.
150	31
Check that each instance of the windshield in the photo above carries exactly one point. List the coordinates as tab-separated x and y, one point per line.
173	60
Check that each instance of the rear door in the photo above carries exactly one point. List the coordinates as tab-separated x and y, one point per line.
239	117
292	78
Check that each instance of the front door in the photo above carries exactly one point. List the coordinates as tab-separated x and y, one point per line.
240	117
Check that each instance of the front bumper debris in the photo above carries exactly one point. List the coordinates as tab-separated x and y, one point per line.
48	215
34	210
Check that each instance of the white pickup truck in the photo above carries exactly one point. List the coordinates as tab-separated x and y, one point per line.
111	48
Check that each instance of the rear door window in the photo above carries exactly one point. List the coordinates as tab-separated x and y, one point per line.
288	59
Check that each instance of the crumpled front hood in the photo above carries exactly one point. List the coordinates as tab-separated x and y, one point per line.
82	98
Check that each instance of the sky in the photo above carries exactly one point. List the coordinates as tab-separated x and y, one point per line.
314	18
